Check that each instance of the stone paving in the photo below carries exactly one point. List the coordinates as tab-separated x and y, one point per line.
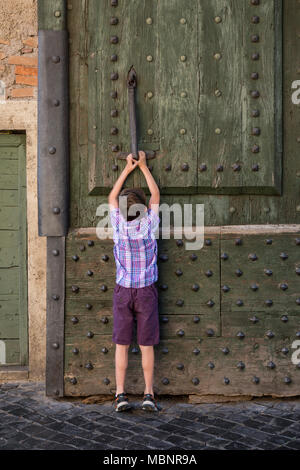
30	420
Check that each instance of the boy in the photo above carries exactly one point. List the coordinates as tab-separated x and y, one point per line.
135	251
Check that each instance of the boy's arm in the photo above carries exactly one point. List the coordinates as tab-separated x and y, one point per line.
114	194
153	188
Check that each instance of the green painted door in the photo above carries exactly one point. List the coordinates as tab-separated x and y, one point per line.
13	249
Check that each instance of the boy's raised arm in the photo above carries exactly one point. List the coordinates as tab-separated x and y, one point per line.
153	188
114	194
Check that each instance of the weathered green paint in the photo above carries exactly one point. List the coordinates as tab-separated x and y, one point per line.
13	255
52	14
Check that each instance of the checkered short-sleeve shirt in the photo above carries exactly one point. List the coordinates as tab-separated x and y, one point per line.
135	248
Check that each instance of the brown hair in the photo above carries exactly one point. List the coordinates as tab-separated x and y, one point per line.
134	196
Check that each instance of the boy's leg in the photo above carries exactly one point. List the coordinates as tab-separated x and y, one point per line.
148	367
121	363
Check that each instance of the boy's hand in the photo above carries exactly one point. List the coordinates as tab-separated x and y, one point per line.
131	163
142	159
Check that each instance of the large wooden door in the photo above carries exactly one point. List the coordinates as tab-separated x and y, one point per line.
214	103
13	250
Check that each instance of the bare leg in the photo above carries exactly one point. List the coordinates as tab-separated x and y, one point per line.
148	367
121	363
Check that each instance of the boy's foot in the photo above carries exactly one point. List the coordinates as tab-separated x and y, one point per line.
121	402
149	404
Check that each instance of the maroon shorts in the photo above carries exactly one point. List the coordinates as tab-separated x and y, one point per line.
141	303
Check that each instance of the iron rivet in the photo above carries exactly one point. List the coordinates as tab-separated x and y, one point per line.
236	167
284	318
226	381
88	306
149	58
218	131
165	381
149	94
164	319
195	287
238	241
89	366
255	38
239	303
55	297
81	247
74	320
210	332
224	256
75	289
89	273
183	94
168	167
238	272
104	350
252	256
225	350
208	273
90	243
105	257
113	58
182	131
254	76
218	93
255	131
297	241
103	288
297	271
254	287
55	345
232	209
210	303
75	351
211	365
285	350
196	351
114	113
225	288
150	131
182	21
73	381
165	350
52	150
255	19
255	149
255	167
193	257
56	102
115	148
75	257
55	59
183	58
284	256
114	3
114	39
255	94
268	272
269	302
106	381
163	257
90	334
255	2
255	380
195	380
114	76
270	334
298	208
149	20
180	333
114	20
284	286
271	365
240	365
203	167
56	210
180	366
269	241
184	167
179	302
287	380
55	252
217	56
114	131
196	319
255	113
217	19
254	319
255	56
163	287
57	13
104	320
178	272
241	335
115	167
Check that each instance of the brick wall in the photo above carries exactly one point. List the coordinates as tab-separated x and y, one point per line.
18	49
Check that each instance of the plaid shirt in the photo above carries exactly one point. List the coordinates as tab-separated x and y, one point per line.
135	249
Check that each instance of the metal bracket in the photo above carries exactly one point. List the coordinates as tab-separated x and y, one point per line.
55	316
53	133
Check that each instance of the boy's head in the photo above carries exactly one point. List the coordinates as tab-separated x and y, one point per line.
134	196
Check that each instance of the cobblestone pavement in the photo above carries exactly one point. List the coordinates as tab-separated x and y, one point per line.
30	420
